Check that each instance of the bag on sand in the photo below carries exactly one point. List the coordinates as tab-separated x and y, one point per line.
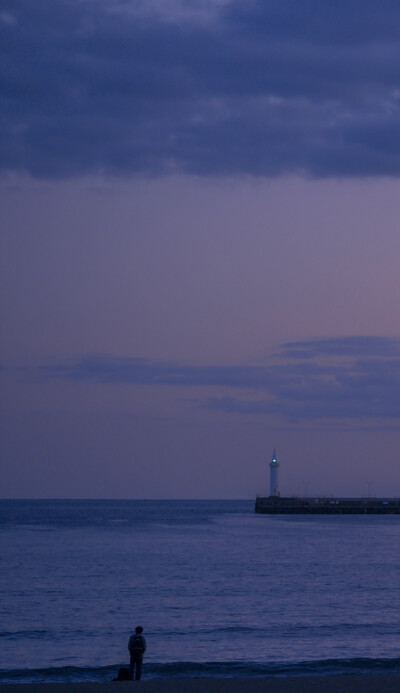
123	674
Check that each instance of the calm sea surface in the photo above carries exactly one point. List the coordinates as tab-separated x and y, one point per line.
219	590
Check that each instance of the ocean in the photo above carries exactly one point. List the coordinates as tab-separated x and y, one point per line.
219	590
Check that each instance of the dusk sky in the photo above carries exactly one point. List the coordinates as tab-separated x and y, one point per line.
200	247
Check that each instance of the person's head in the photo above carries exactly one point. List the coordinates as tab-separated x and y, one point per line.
138	630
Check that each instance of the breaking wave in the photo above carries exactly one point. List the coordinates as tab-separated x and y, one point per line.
206	670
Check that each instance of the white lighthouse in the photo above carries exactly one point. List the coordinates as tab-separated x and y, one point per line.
273	476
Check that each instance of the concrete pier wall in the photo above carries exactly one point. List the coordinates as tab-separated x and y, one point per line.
327	506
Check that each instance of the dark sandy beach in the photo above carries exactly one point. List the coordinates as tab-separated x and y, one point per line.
357	683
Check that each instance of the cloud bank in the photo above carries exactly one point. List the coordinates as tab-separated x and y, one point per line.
351	378
264	87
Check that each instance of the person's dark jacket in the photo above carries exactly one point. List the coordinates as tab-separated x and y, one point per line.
136	647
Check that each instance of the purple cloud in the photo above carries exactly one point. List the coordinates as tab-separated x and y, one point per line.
354	378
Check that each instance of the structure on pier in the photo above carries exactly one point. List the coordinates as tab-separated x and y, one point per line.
273	476
275	504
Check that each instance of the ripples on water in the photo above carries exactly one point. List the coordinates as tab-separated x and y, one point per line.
211	582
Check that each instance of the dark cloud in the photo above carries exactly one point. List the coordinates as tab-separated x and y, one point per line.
264	88
333	22
109	369
352	378
359	346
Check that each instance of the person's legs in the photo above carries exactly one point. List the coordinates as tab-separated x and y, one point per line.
138	667
131	668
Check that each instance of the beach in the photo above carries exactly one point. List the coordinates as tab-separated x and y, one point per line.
353	683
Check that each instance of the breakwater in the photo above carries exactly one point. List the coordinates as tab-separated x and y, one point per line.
327	506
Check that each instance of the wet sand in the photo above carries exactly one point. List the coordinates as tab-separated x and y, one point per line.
354	683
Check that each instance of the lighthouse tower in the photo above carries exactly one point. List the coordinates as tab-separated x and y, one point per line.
273	476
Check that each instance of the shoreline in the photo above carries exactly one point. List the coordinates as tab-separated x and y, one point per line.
333	683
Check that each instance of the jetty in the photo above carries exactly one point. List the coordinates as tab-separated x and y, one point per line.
275	504
327	506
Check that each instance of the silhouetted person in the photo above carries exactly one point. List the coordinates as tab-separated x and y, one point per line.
137	648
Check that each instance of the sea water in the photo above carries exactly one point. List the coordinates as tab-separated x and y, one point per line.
219	590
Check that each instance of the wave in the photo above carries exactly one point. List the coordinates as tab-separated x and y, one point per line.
207	670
